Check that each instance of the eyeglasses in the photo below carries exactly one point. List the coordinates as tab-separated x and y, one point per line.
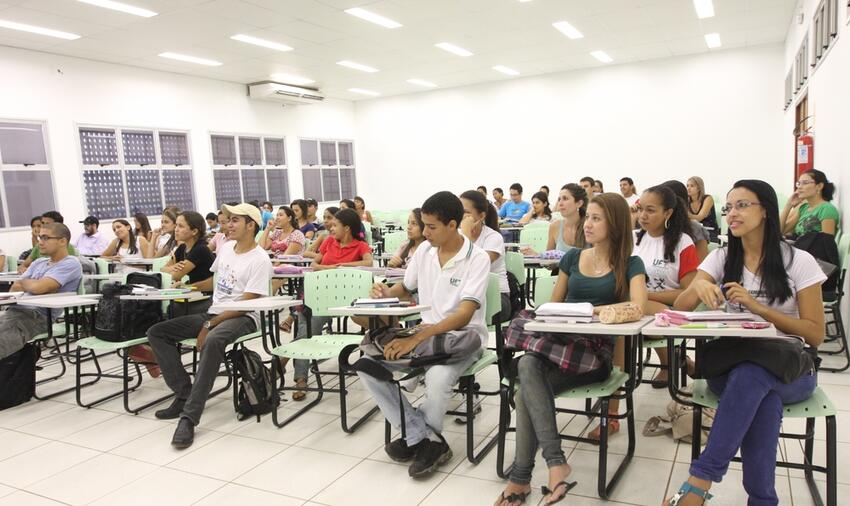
45	238
739	206
804	182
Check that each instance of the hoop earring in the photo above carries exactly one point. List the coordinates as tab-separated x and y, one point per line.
666	223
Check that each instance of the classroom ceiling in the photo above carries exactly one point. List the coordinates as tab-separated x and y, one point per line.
514	33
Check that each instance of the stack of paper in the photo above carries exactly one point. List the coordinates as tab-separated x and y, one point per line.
150	290
683	317
386	302
565	312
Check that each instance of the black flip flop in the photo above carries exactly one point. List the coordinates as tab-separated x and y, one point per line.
569	486
516	496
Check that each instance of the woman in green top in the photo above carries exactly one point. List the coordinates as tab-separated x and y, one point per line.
809	209
605	273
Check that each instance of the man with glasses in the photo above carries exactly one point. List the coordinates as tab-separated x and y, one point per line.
515	208
55	271
36	253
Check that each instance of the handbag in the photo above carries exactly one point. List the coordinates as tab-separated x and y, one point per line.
787	359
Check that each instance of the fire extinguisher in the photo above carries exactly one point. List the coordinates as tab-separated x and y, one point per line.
805	153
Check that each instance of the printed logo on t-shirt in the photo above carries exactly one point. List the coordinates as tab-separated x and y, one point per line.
455	281
226	280
656	275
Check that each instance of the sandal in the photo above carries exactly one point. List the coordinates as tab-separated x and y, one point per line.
568	486
514	498
613	428
300	395
286	324
686	489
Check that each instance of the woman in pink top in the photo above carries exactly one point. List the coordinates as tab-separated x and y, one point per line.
285	238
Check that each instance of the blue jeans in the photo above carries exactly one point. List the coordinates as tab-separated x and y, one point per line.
425	421
748	417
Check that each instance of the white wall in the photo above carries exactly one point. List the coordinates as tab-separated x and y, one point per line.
716	115
105	94
828	90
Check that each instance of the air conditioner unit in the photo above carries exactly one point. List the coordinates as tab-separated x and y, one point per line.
283	93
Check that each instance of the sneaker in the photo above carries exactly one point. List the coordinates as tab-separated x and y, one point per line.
171	412
184	435
429	456
400	452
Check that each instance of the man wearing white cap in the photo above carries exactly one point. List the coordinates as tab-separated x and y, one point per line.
243	271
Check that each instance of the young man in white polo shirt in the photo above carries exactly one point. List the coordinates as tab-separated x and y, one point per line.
243	271
450	275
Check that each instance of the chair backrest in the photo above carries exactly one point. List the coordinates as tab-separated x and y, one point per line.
543	288
721	220
368	231
334	288
712	246
393	240
537	224
843	250
493	304
514	264
536	237
11	263
102	265
159	263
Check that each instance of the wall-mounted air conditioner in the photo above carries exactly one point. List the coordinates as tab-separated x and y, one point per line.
283	93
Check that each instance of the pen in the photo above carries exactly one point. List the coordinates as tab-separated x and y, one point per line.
704	326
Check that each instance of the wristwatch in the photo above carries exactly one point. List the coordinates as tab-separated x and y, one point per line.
208	324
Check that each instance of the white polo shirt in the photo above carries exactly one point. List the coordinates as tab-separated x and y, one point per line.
490	240
464	277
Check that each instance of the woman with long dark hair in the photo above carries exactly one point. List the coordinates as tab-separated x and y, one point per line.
142	226
360	207
701	207
284	238
480	225
539	209
568	232
307	227
668	253
125	247
163	242
192	257
696	230
405	251
756	272
809	208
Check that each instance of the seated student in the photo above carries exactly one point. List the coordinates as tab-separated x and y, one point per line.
483	190
809	208
312	210
597	187
567	232
360	207
450	275
91	242
404	254
701	207
514	209
499	198
346	247
35	229
668	254
162	242
327	225
696	230
192	257
243	272
628	191
284	238
142	226
46	219
307	227
480	225
346	204
125	247
587	183
545	189
760	273
220	237
3	260
267	210
55	271
539	209
606	273
212	224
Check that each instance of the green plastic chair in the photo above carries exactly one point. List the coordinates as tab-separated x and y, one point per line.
536	237
323	290
543	290
835	324
816	406
102	265
392	241
159	263
11	263
514	264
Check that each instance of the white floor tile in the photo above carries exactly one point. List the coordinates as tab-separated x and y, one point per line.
307	472
13	443
63	424
643	482
297	430
218	458
86	482
4	490
155	447
803	497
30	412
46	460
373	482
113	432
181	489
330	438
21	498
231	494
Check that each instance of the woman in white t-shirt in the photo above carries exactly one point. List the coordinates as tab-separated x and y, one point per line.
759	273
163	242
480	225
668	254
125	247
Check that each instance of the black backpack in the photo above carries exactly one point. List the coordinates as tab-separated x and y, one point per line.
123	320
254	395
17	376
517	295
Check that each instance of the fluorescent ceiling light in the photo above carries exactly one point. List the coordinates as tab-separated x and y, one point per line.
568	30
38	30
445	46
118	6
356	66
292	79
373	18
190	59
422	82
364	92
261	42
712	40
704	8
505	70
602	56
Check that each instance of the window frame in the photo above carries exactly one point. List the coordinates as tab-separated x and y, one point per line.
320	167
18	167
264	164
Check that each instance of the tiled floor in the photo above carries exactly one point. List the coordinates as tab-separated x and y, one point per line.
53	452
